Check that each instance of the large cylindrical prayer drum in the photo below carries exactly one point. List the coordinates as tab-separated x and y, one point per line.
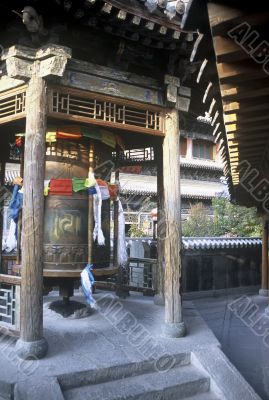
66	216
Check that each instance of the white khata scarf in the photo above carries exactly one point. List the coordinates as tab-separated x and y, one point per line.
97	211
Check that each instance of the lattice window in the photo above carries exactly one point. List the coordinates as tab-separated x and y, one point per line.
64	150
12	104
141	273
136	155
131	217
111	112
8	303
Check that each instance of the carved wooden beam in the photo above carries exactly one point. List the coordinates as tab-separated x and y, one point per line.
22	62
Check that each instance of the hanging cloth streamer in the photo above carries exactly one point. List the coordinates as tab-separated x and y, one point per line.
122	251
87	282
10	243
97	213
61	187
103	186
15	204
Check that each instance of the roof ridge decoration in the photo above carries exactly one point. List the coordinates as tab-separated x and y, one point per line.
155	10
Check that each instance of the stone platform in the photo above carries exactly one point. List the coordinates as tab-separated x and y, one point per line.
118	353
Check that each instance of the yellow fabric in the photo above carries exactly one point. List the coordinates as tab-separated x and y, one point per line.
46	187
51	137
89	182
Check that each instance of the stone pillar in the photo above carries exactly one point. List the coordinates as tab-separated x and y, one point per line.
174	325
264	286
34	66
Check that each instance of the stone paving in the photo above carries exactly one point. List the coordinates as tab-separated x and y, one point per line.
245	349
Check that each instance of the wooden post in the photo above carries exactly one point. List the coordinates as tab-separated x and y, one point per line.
19	226
31	343
90	207
159	296
2	183
264	289
116	223
33	66
174	325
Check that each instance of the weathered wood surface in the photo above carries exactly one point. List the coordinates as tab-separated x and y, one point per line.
116	215
33	212
2	182
172	243
43	52
160	222
10	279
108	86
111	73
265	256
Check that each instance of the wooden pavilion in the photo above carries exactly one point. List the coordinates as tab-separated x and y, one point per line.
232	87
96	64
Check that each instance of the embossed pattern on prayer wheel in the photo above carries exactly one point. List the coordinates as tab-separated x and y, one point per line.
66	216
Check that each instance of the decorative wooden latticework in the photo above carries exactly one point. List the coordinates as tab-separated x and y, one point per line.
135	156
8	304
102	110
12	104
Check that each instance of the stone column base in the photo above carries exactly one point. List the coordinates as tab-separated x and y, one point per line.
264	292
31	350
174	330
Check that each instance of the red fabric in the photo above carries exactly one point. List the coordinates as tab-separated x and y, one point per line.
18	142
113	191
61	187
135	169
69	132
100	182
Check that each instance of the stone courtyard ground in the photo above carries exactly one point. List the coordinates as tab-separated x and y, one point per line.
245	349
118	352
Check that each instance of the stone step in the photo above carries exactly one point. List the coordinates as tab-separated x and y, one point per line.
202	396
116	372
178	383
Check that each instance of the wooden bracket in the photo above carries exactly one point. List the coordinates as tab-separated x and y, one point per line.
22	62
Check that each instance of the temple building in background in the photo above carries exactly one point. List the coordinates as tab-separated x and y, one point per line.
201	176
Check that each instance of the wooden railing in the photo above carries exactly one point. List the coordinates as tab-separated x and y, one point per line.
10	304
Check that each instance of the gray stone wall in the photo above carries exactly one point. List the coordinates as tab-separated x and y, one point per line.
209	269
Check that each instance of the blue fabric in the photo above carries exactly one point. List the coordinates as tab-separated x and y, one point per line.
92	190
89	268
86	288
15	204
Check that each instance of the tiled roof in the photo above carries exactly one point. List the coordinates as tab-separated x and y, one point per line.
210	243
193	243
201	164
147	185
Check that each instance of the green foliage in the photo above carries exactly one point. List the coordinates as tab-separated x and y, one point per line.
234	219
198	223
228	220
135	231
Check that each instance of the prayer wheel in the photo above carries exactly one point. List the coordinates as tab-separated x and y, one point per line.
66	215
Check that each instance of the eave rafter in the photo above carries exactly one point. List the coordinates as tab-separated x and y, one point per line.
243	82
